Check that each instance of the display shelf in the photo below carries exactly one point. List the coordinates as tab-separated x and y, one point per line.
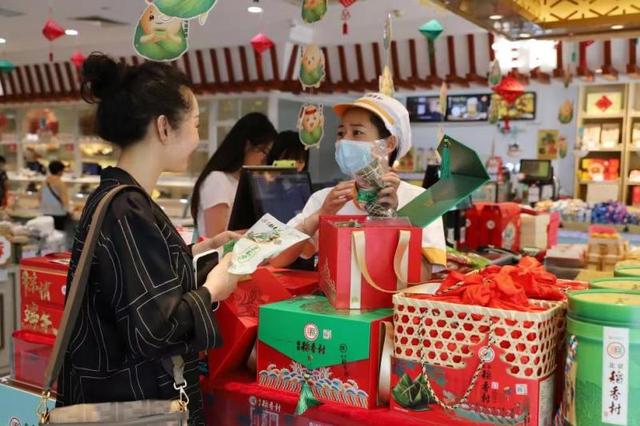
618	149
599	182
586	116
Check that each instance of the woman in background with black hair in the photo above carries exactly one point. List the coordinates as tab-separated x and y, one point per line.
54	196
287	146
248	143
142	305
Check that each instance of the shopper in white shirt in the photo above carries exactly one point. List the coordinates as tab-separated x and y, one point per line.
374	118
248	143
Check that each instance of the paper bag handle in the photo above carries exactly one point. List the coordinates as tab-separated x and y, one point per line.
359	248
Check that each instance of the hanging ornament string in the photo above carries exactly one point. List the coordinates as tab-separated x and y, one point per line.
346	15
385	81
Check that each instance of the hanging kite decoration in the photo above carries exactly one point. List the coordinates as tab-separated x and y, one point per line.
261	43
313	10
311	125
186	9
565	113
431	30
509	89
52	31
77	59
346	15
160	37
312	67
6	66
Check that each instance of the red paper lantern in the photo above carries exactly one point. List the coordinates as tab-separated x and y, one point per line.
78	59
52	30
261	43
346	15
509	89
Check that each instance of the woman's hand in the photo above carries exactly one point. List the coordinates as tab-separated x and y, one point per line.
340	195
215	242
388	196
220	282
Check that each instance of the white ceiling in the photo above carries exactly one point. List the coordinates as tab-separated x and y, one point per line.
229	24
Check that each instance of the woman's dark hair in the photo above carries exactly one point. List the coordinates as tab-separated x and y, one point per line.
383	133
130	97
287	146
255	130
56	167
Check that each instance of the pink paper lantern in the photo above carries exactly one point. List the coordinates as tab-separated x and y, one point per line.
52	30
261	43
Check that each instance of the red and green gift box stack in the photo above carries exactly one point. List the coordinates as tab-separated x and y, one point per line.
306	342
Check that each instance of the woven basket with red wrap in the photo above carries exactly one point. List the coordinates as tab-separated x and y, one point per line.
484	346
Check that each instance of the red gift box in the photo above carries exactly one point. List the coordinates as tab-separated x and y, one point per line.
238	321
31	352
473	237
41	318
361	267
635	196
501	225
44	279
298	283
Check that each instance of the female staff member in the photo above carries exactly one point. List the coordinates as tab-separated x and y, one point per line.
247	144
54	197
142	304
287	146
372	119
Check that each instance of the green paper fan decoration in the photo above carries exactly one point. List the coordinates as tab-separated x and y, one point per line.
431	30
159	37
185	9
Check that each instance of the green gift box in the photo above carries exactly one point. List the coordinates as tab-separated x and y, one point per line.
461	174
306	342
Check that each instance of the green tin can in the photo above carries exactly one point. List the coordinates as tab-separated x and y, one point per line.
627	268
603	358
619	283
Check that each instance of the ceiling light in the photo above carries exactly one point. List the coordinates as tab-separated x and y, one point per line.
617	27
254	9
525	35
495	17
3	41
71	32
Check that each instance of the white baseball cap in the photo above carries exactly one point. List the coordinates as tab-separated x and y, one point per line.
393	114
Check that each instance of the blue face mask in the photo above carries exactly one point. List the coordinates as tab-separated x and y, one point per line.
353	156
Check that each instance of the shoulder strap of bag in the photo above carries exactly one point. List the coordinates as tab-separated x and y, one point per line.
54	193
78	287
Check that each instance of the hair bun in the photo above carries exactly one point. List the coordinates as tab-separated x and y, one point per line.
100	77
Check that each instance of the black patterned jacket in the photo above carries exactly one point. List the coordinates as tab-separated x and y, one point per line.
141	306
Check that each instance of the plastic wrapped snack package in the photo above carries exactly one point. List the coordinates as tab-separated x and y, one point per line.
369	181
266	239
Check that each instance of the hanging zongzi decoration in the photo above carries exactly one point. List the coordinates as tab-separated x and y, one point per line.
160	37
495	73
186	9
312	67
313	10
77	59
52	31
311	125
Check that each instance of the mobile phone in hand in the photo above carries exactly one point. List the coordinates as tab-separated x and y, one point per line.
204	263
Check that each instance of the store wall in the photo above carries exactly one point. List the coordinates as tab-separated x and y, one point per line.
476	135
480	135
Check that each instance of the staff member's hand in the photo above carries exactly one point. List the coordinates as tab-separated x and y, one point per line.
340	195
388	196
215	242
